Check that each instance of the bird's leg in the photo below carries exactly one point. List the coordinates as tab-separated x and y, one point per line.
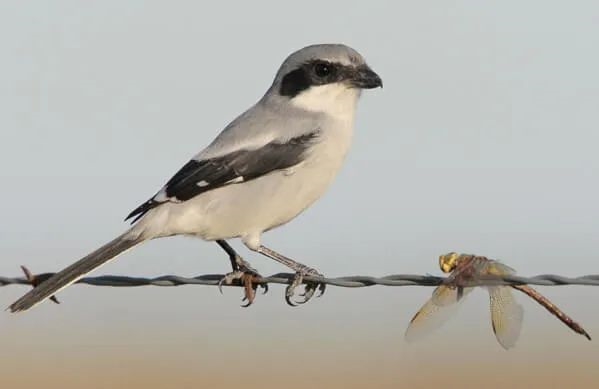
237	262
248	277
301	270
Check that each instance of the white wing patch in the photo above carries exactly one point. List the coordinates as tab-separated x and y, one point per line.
161	196
235	180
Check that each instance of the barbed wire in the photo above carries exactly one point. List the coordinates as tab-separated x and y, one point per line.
346	282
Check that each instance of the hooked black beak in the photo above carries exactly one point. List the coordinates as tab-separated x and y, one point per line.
366	78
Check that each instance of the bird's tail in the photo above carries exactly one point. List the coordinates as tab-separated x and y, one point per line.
71	274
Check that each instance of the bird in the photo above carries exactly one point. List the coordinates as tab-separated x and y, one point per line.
264	168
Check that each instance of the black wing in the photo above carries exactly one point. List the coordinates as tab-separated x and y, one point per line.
199	176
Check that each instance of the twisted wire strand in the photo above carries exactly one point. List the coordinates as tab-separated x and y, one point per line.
346	282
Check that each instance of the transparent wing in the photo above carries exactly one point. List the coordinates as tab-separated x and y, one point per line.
506	316
498	268
435	312
444	295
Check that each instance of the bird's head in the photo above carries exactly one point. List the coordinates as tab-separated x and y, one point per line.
324	78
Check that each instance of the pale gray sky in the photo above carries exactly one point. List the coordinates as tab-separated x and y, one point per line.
484	139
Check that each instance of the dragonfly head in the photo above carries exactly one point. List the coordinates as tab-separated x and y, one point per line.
448	262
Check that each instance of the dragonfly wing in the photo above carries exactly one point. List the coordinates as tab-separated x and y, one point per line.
506	316
499	268
446	295
434	313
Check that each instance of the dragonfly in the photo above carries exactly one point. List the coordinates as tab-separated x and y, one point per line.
506	313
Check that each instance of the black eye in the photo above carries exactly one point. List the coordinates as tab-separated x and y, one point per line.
322	69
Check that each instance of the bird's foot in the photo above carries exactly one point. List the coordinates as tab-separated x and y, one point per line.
245	275
310	287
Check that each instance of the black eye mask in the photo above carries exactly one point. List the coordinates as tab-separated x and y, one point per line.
313	73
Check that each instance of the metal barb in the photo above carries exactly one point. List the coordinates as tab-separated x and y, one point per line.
35	280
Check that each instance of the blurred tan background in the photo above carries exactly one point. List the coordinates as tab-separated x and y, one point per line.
483	140
107	343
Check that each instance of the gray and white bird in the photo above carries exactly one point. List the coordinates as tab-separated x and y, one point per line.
265	168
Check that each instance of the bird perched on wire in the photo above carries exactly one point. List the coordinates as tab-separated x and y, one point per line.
265	168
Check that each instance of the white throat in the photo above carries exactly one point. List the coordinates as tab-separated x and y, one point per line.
337	100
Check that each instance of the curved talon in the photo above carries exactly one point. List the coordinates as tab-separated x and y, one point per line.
309	290
321	289
229	278
307	295
250	291
249	279
264	287
290	289
251	282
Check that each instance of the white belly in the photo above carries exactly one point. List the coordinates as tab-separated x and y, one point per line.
247	209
